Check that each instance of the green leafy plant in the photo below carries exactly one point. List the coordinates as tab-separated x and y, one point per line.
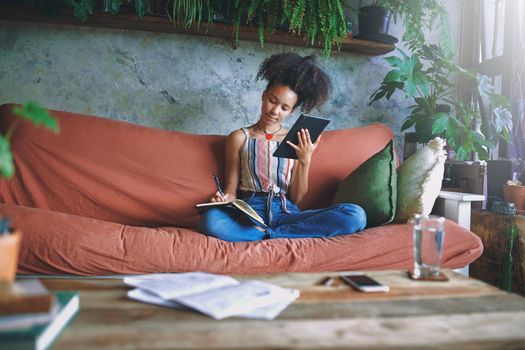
430	78
419	16
83	9
188	12
318	21
34	113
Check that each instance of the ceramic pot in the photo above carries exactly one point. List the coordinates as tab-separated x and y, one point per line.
9	249
374	19
515	194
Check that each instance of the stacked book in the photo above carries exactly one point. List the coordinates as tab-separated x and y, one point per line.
214	295
32	317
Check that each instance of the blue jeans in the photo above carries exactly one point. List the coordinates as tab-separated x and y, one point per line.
230	224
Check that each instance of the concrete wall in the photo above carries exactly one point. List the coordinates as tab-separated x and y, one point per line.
176	82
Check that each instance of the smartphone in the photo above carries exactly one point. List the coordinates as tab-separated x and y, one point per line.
363	283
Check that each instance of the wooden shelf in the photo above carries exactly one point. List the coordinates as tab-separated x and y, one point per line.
161	24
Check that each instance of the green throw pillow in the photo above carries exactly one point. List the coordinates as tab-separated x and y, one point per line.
373	186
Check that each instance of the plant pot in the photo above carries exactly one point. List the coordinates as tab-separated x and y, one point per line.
9	249
374	22
515	194
443	108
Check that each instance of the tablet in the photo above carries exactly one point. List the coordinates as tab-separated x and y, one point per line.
315	126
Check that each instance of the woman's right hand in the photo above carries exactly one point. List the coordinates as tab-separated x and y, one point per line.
218	197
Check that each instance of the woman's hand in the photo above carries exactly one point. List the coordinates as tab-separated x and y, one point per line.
305	148
218	197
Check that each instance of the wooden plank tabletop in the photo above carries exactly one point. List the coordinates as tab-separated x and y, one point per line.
461	313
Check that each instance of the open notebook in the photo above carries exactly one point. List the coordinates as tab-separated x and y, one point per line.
240	205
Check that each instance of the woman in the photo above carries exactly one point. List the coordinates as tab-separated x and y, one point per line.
273	185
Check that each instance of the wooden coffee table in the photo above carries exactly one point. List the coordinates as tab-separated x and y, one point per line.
462	313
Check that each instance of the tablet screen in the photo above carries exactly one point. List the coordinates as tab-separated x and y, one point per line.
315	126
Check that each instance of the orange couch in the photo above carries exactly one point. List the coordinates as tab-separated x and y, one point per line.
109	197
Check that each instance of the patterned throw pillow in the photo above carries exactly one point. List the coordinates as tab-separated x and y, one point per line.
419	180
373	187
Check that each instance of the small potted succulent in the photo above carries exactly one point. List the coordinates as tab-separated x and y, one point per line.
513	190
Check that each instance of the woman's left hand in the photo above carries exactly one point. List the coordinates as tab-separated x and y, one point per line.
305	148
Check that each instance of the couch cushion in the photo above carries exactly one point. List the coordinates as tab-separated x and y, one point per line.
373	186
57	243
135	175
112	170
419	180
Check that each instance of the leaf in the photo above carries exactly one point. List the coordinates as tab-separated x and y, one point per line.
424	87
394	61
440	123
261	29
502	120
83	9
498	100
506	135
480	139
484	86
378	94
37	115
113	6
407	124
393	75
483	153
462	153
140	7
410	88
392	88
7	167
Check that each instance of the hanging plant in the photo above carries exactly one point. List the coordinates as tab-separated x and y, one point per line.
419	16
83	9
318	21
188	12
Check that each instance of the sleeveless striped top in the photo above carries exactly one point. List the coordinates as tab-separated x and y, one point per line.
260	171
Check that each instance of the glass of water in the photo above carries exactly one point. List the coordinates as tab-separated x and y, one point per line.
429	232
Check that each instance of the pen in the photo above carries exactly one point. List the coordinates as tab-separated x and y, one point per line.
216	178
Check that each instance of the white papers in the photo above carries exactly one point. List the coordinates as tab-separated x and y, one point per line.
173	285
214	295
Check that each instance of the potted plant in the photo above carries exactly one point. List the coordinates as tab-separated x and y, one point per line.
373	21
417	16
429	78
513	190
10	239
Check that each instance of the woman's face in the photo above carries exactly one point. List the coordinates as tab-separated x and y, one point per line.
277	104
